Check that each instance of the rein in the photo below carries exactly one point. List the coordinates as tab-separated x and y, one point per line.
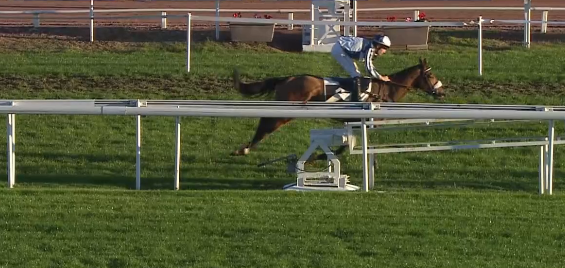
433	88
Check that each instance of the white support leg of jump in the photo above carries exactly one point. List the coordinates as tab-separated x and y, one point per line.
138	151
177	153
335	172
365	160
330	180
11	139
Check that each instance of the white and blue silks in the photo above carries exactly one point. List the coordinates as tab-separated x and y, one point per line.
349	48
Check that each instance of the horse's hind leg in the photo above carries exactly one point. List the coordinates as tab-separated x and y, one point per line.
266	127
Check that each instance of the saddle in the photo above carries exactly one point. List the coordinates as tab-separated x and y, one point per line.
341	88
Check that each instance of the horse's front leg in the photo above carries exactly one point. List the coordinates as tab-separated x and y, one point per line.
266	126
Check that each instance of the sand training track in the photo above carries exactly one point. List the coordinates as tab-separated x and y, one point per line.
434	15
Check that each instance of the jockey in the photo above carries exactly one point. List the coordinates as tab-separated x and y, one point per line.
349	48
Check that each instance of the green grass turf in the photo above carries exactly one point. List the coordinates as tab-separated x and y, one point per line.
102	228
475	208
452	63
100	150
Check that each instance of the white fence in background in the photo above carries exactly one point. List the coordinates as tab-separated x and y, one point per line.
479	23
255	109
162	15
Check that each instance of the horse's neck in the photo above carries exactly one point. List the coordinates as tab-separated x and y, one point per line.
397	92
391	92
405	77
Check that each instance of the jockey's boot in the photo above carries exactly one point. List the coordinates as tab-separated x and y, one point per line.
356	89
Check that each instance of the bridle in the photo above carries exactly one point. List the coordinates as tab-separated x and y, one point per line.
431	88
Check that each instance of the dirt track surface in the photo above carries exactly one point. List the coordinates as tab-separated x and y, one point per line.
434	15
75	26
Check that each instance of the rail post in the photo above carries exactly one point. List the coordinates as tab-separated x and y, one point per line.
163	19
11	139
138	149
177	152
527	24
217	22
312	17
36	22
188	40
91	20
290	26
480	41
544	21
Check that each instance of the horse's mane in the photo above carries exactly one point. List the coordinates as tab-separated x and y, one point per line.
401	72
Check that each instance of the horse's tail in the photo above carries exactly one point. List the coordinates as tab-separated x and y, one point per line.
256	88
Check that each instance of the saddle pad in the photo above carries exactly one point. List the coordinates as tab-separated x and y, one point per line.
341	93
328	81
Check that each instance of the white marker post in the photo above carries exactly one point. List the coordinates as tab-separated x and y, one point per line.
217	22
188	40
91	20
480	45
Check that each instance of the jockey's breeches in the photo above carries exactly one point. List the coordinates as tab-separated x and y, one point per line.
345	61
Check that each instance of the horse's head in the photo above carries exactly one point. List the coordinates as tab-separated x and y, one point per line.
428	82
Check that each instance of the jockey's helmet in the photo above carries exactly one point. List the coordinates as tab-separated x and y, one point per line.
382	40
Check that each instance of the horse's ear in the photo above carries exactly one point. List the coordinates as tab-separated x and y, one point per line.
420	59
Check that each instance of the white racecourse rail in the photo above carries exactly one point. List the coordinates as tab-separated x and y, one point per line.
363	111
527	8
480	22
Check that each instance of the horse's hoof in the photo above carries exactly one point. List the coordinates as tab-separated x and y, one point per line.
242	151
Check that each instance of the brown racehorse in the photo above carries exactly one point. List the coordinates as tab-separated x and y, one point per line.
311	88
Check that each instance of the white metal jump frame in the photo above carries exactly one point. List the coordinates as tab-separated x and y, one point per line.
254	109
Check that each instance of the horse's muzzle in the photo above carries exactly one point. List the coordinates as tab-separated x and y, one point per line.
437	91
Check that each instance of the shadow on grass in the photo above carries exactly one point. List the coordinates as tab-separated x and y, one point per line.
515	181
271	178
283	40
510	35
493	40
147	183
524	182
